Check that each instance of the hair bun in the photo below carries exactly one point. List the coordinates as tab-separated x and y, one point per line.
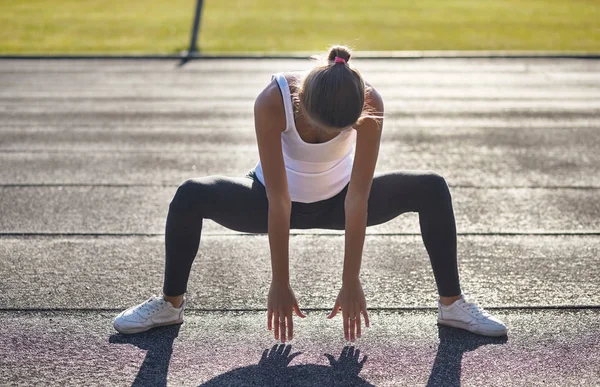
339	51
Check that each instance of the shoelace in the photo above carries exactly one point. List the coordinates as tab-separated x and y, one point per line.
150	306
474	309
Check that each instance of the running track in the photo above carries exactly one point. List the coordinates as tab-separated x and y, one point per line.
91	152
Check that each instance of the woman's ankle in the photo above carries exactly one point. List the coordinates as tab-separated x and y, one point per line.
446	301
176	301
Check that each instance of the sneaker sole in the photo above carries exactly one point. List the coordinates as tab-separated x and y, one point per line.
466	327
143	329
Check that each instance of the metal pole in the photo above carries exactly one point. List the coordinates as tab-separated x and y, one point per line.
193	46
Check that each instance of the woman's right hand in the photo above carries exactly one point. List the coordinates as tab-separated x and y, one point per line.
280	303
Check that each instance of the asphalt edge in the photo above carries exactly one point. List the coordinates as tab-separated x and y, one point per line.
384	55
398	309
537	233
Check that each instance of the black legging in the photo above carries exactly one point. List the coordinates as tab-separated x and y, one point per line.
241	204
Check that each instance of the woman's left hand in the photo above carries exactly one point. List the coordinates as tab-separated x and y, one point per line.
351	300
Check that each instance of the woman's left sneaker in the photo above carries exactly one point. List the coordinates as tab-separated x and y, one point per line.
470	316
154	312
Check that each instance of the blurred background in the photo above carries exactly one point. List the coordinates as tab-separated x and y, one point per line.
266	26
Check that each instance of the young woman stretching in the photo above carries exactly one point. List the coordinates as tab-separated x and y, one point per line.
318	137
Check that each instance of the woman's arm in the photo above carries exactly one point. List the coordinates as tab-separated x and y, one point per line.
365	159
351	298
269	119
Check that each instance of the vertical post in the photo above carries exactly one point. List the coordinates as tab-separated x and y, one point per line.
193	41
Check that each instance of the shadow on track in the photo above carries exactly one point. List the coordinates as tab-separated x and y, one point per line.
273	370
448	360
159	346
273	367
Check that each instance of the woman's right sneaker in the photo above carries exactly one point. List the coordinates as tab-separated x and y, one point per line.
155	312
471	317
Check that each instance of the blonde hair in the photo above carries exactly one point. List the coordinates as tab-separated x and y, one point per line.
333	93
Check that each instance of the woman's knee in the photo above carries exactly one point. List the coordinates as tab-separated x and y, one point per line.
436	186
187	197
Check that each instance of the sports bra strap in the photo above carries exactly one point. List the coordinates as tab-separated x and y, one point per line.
287	100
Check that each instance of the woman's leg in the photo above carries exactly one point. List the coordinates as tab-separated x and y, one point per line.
239	204
424	192
428	194
236	203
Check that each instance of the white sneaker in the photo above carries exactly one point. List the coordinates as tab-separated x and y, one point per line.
470	316
155	312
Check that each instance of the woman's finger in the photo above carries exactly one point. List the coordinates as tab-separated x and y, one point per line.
269	319
352	322
336	308
276	325
282	327
358	326
364	312
346	325
290	327
298	311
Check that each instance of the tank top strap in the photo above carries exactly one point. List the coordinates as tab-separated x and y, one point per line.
287	100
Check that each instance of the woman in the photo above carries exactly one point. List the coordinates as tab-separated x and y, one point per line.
318	137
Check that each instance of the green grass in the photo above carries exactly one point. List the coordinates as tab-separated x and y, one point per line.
159	26
95	26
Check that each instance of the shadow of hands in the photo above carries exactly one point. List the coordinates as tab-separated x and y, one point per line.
454	343
158	343
278	358
348	363
273	370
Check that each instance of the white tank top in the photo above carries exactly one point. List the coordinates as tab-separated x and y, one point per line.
314	171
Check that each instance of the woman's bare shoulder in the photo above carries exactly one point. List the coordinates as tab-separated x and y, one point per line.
372	93
270	95
373	112
268	107
373	100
